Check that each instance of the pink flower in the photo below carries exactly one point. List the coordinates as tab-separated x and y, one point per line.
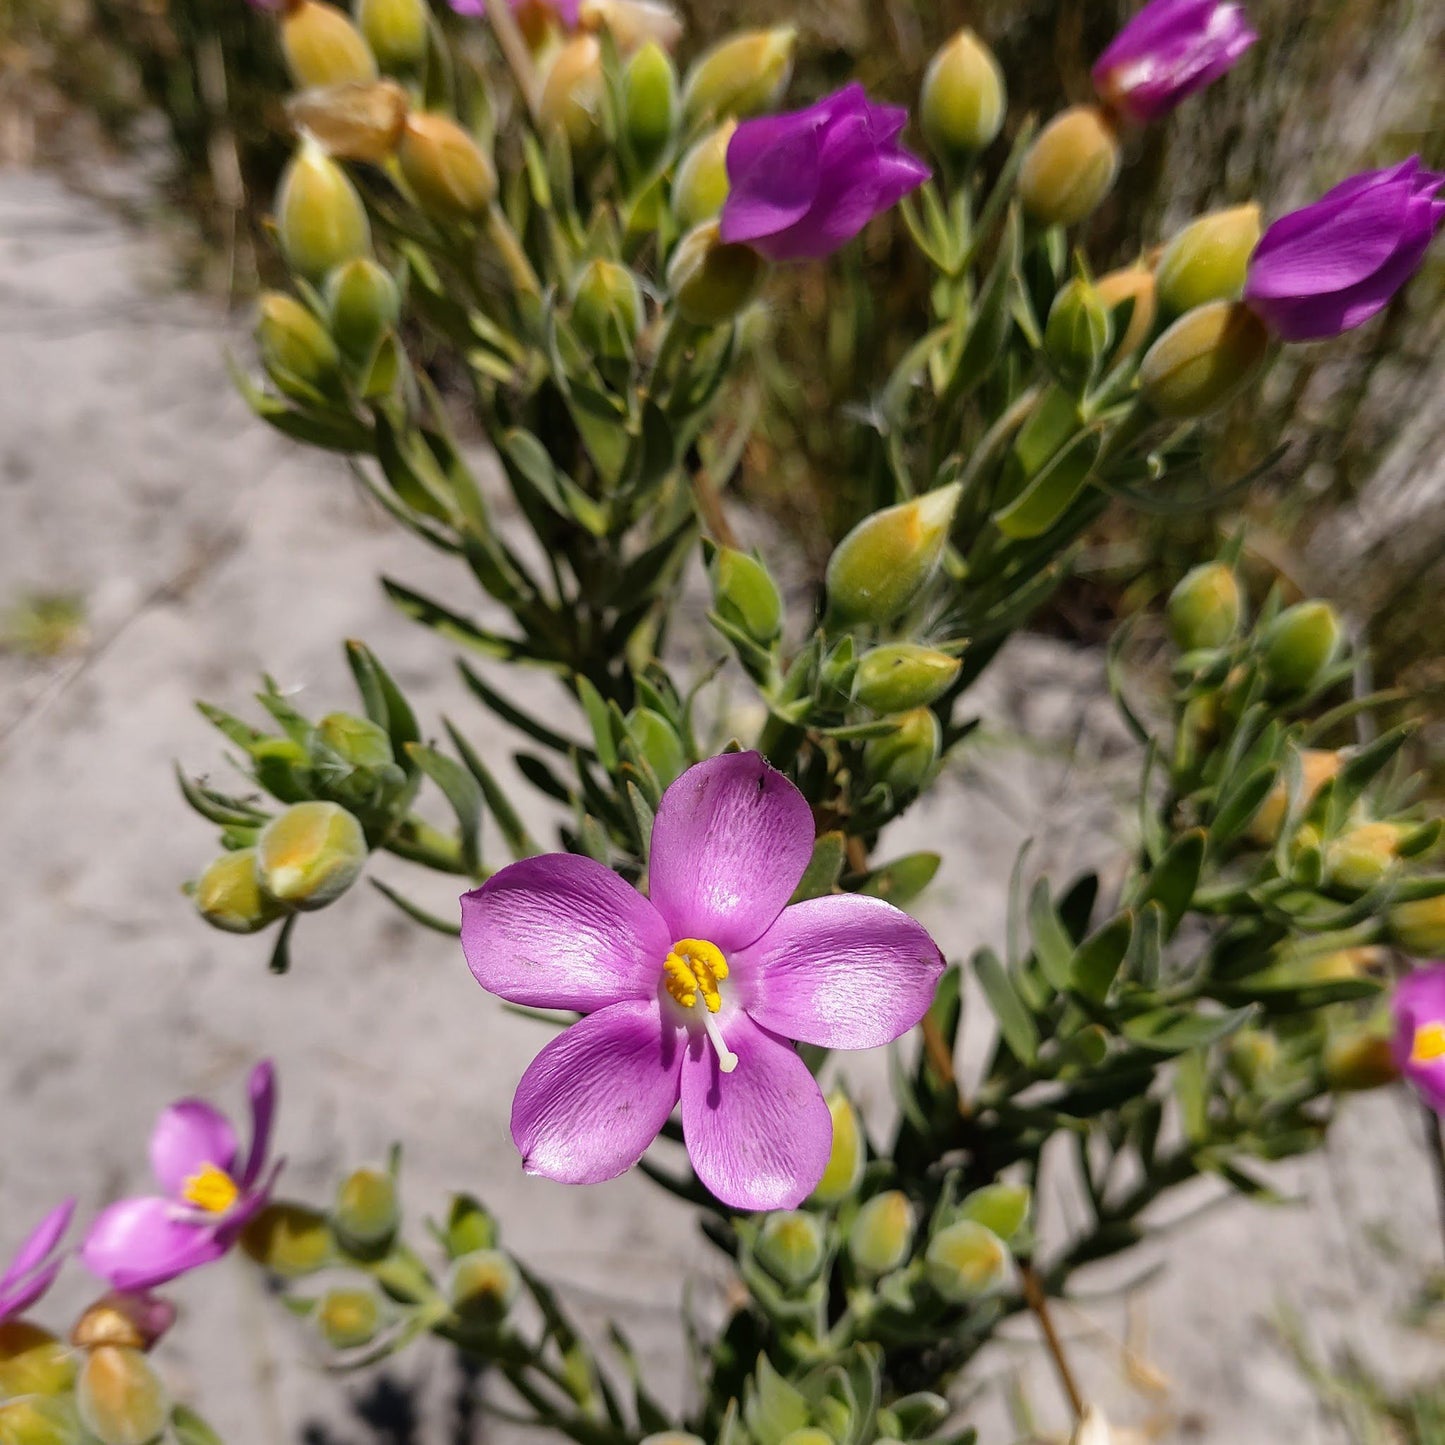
1419	1009
208	1194
36	1263
695	992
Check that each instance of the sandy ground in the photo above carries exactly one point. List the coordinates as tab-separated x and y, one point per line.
207	550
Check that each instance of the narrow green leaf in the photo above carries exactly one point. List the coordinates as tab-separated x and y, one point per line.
1175	878
824	868
1097	961
415	911
460	790
1175	1030
1053	947
1014	1020
520	842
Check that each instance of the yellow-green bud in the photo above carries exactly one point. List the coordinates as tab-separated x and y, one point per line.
470	1227
33	1361
358	121
744	593
1418	927
906	757
446	169
1317	767
121	1398
229	896
1205	608
1136	284
607	312
1359	1059
1207	260
1301	644
712	281
366	1213
881	1237
295	347
651	107
966	1262
882	565
1002	1208
323	47
742	75
289	1240
657	741
701	184
320	219
348	1318
963	100
132	1319
790	1247
1078	333
310	855
633	23
846	1157
1070	167
396	31
38	1420
363	305
483	1284
1362	858
903	675
1203	360
572	94
1252	1056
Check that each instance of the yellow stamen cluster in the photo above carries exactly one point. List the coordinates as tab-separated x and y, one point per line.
211	1189
695	967
1429	1045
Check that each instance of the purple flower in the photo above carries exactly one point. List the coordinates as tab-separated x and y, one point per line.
1170	49
36	1263
695	993
533	14
1331	266
805	183
1419	1009
208	1194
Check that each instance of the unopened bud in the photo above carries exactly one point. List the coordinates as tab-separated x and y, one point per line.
33	1361
1207	260
1070	167
963	99
882	565
121	1398
290	1240
966	1262
1418	927
320	219
41	1420
607	312
745	595
361	120
1205	608
1203	360
1360	1058
712	281
323	47
1001	1208
348	1318
881	1236
701	184
366	1213
229	896
846	1157
1136	284
903	675
1317	767
1252	1055
633	23
790	1247
572	94
483	1284
356	740
446	169
470	1227
741	76
396	31
363	305
296	350
130	1318
1300	646
1078	333
1362	858
310	855
651	107
906	757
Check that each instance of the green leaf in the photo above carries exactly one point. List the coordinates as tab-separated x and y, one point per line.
1015	1021
190	1429
509	712
1097	961
902	880
1052	492
1175	878
601	719
385	703
217	807
824	868
1239	805
520	842
530	466
461	791
1053	947
1175	1030
281	953
411	471
453	626
415	911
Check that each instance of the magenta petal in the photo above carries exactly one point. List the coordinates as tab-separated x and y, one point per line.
1419	999
593	1100
261	1089
562	931
758	1138
731	841
141	1243
1329	245
189	1135
844	971
18	1298
773	173
39	1244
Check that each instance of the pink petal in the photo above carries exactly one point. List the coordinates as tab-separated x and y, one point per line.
773	175
189	1135
17	1299
137	1244
843	971
593	1100
730	844
261	1089
562	931
40	1242
759	1137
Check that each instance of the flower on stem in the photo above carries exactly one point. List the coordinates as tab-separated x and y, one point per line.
694	992
1419	1008
1169	50
36	1263
1330	267
805	183
209	1193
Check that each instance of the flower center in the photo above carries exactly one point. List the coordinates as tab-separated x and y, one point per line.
211	1189
1429	1045
694	969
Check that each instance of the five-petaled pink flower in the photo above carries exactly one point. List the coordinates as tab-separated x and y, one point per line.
1419	1008
208	1195
695	991
35	1265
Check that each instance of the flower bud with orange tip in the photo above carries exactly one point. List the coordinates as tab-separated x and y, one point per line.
1317	767
310	855
322	46
1205	608
1070	167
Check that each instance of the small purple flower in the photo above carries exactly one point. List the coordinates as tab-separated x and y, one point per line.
695	992
529	12
1170	49
805	183
208	1193
36	1263
1419	1009
1330	267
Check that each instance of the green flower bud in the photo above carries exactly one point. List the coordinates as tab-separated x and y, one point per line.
882	565
572	94
322	47
657	741
1070	167
1001	1208
359	121
1362	858
367	1212
1252	1055
744	594
33	1361
1078	333
1136	284
906	757
651	108
701	184
470	1227
228	895
121	1398
1203	360
1301	645
1205	608
791	1247
901	676
37	1420
607	312
448	173
363	305
846	1157
396	31
1418	927
963	100
310	855
289	1240
966	1262
741	76
881	1237
711	282
1358	1059
358	740
1207	260
483	1285
320	219
348	1318
298	354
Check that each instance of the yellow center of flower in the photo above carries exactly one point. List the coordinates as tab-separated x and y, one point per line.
211	1189
694	969
1429	1045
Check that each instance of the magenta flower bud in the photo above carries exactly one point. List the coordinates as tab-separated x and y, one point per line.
1419	1009
35	1264
1330	267
1170	49
805	183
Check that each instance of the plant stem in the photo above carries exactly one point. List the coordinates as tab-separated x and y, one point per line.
1038	1302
